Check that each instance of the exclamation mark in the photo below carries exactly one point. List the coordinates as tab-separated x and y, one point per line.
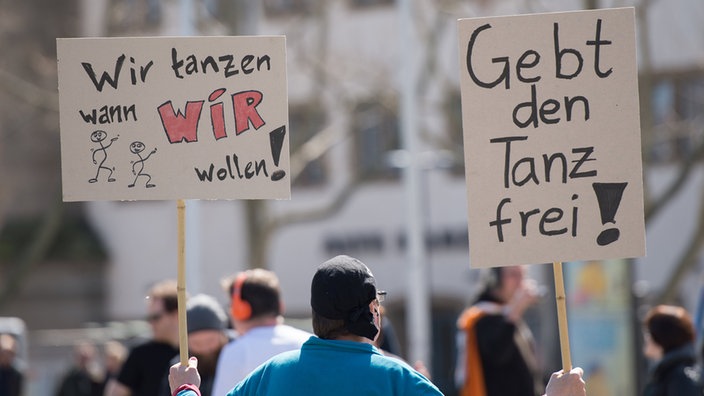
276	139
609	197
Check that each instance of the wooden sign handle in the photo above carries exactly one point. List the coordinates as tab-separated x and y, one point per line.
562	316
181	283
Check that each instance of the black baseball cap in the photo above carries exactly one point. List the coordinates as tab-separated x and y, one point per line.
342	289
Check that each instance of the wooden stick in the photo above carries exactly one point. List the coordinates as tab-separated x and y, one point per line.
562	316
181	283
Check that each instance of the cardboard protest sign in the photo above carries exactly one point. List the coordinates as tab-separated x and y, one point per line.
173	118
552	137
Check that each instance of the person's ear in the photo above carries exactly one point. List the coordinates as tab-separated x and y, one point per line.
373	308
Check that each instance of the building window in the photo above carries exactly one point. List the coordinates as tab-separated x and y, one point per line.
366	3
376	133
274	8
305	121
453	138
676	102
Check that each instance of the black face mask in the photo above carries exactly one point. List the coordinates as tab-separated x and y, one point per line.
361	322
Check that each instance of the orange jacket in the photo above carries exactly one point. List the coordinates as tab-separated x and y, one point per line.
474	375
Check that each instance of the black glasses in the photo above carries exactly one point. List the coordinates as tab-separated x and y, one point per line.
381	295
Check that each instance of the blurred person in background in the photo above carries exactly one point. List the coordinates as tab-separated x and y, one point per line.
669	344
207	335
114	356
494	339
256	311
147	363
387	342
11	379
83	378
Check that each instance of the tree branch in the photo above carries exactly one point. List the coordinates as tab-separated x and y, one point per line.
683	175
34	253
315	148
686	262
335	204
28	92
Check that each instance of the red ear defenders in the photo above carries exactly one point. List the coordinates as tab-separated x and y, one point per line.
240	309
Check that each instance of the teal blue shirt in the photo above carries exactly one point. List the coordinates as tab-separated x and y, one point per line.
333	367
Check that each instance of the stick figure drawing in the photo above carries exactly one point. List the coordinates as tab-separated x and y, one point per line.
137	148
100	154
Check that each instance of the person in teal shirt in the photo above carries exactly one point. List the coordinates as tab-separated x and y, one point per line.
347	367
341	358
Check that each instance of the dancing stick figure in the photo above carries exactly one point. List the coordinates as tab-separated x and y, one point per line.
137	148
98	137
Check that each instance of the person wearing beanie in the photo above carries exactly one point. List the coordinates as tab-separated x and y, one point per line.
256	313
342	359
207	336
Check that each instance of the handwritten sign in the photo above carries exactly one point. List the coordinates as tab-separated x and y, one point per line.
173	118
552	137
